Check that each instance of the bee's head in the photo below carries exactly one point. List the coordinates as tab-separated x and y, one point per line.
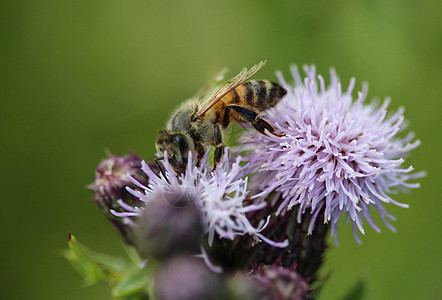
177	146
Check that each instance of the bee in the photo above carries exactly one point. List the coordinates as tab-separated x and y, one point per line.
200	121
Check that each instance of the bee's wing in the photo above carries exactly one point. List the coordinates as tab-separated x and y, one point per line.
211	84
227	87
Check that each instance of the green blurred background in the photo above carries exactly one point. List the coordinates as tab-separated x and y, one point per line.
82	76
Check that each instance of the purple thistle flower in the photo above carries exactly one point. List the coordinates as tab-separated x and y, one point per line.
336	153
219	195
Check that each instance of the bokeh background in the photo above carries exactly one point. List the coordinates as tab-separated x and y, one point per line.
81	76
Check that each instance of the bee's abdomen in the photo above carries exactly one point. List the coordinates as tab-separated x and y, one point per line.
259	94
255	95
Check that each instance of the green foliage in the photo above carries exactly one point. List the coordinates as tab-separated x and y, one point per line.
127	278
357	292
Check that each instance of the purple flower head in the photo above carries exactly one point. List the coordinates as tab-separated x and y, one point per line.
336	153
220	196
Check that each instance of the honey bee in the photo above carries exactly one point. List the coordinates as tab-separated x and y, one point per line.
200	121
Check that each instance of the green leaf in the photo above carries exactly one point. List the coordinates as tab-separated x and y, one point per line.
94	266
358	292
126	277
139	296
317	291
319	286
137	281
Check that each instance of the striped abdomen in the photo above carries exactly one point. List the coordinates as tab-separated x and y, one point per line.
256	95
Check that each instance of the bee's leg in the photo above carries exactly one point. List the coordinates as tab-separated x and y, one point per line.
200	150
161	169
219	147
252	117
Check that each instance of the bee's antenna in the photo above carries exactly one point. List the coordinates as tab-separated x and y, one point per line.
161	170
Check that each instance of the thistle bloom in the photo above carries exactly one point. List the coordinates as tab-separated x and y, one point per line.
336	153
219	195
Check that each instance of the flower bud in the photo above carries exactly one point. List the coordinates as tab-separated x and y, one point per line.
111	180
278	283
187	278
167	227
305	250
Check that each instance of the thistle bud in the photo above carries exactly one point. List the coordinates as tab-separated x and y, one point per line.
305	251
187	278
168	227
278	283
111	180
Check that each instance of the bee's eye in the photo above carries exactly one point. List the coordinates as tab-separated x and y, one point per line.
182	142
